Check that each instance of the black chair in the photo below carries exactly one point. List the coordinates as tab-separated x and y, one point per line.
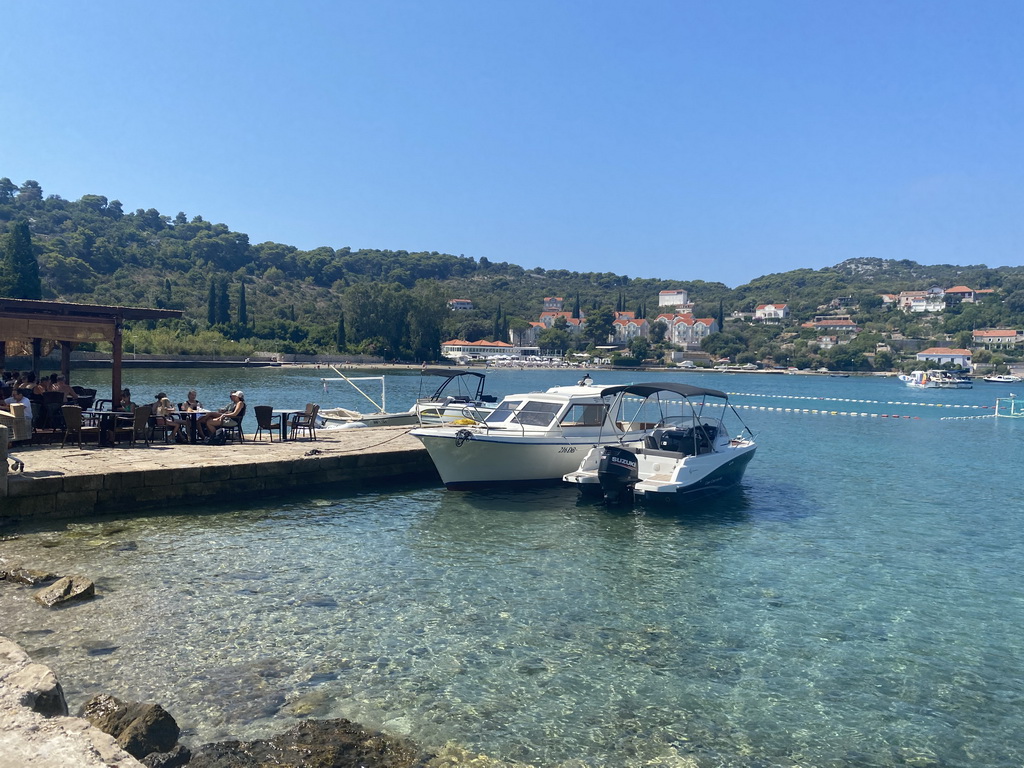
51	414
86	397
266	420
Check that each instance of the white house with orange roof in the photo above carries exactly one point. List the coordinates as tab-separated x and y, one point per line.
996	338
771	312
456	348
626	326
932	300
553	303
460	304
943	355
685	330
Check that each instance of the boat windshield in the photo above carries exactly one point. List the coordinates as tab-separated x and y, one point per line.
538	414
503	412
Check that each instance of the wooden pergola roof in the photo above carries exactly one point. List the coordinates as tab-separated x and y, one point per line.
32	321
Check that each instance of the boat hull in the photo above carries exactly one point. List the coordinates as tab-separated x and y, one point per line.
663	479
480	459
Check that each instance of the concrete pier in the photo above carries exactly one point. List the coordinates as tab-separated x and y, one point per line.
75	482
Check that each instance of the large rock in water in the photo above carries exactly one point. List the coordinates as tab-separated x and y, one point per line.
67	589
33	685
139	728
313	744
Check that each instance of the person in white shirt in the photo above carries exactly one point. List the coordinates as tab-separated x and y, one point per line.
17	397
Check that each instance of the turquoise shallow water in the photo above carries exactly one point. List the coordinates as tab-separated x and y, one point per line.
856	603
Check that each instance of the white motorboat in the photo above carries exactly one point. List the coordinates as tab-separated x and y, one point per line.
530	437
685	451
1002	379
936	379
442	407
335	418
465	403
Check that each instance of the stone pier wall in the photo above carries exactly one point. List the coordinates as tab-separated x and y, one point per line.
151	477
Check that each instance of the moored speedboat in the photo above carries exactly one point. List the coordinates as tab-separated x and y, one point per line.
685	452
530	437
1002	379
445	407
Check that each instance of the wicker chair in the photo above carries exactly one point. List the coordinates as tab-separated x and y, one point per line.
14	419
266	420
73	426
138	428
306	421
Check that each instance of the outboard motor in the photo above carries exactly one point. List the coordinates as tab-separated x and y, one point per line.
617	474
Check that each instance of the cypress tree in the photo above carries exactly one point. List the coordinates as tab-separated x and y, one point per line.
721	316
20	266
211	304
339	340
576	307
243	311
223	303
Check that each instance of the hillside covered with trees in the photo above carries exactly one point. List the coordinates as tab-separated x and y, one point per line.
239	297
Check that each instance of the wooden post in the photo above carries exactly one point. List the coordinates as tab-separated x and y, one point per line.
3	354
37	352
65	360
115	373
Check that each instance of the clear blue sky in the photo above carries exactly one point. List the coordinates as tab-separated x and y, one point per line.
684	140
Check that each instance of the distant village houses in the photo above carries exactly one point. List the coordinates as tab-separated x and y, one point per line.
685	330
459	304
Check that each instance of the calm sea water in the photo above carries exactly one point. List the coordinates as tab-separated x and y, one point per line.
857	603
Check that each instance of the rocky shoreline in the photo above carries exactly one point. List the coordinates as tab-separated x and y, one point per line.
37	729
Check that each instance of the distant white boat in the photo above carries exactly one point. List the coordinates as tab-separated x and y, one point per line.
936	379
1002	379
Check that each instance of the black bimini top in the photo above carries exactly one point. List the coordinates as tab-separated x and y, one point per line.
452	372
646	390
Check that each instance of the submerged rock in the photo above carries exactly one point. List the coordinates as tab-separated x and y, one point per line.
28	576
140	729
176	758
67	589
314	744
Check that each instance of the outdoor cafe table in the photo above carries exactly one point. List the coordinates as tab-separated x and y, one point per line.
286	414
192	417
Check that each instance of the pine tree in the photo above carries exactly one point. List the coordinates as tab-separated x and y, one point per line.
19	277
243	311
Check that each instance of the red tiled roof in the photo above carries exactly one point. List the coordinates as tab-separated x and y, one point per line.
959	289
996	332
945	351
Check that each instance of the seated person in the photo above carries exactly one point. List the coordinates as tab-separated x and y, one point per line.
60	384
191	404
126	403
225	417
164	416
18	397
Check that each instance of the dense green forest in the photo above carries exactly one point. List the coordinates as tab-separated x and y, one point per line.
241	298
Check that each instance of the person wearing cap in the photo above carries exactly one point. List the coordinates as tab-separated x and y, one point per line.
230	416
